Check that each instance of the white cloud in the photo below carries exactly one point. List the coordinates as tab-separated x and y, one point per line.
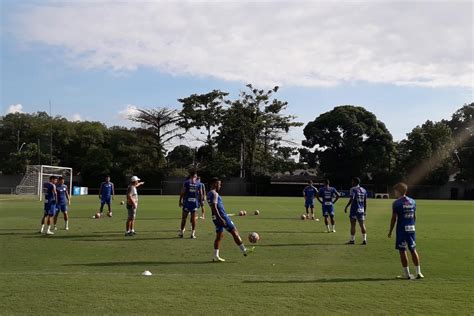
76	117
319	43
129	111
15	108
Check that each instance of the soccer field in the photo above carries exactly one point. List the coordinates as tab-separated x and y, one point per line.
296	268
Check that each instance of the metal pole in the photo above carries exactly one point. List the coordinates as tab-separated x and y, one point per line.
39	152
50	134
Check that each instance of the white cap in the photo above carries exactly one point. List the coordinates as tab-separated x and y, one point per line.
135	178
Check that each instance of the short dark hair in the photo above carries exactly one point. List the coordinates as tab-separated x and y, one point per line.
107	176
192	173
60	178
401	187
356	180
52	178
326	181
310	181
215	180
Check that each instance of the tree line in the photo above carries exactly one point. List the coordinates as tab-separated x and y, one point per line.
245	137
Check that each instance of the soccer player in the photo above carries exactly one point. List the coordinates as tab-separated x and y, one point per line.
106	194
50	201
403	213
328	196
222	221
132	205
63	202
309	193
189	202
202	200
358	204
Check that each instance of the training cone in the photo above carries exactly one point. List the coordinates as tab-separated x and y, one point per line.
147	273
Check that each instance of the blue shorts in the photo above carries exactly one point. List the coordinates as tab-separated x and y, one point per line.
190	207
328	210
106	200
405	240
309	204
50	208
360	216
62	208
219	228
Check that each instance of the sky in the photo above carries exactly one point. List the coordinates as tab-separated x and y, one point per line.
405	61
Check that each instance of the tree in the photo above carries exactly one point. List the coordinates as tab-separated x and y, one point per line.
349	141
203	111
163	124
181	157
425	157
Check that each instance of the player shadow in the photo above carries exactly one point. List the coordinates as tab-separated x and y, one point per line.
18	233
128	239
140	263
118	232
290	232
336	280
301	245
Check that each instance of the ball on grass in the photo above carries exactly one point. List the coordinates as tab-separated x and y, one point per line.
257	212
303	217
254	237
96	216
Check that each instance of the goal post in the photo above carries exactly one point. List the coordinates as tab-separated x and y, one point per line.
36	175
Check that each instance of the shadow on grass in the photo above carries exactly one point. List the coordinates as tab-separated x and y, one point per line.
290	232
339	280
302	245
130	239
140	263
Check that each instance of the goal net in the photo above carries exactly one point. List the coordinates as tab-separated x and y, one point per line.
36	175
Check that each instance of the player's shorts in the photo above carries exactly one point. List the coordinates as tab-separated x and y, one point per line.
132	212
190	208
405	240
309	204
360	216
328	210
219	228
106	200
62	208
50	208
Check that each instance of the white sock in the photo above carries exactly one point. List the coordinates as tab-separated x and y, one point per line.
328	227
216	253
66	223
406	270
334	227
182	230
133	230
242	248
418	270
364	236
353	237
193	232
49	228
42	227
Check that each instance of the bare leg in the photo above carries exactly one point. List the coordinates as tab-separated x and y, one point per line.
363	230
353	227
326	222
193	221
404	258
217	241
184	216
415	257
236	236
332	220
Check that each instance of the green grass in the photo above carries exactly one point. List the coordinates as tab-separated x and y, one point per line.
296	268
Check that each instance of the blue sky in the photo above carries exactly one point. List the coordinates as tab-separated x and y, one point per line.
95	59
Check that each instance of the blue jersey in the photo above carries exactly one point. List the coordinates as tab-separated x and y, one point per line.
106	189
359	196
61	190
192	191
405	209
327	195
309	193
49	194
214	197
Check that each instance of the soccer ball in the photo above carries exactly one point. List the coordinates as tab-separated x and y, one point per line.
96	216
245	212
109	214
254	237
122	203
303	217
242	213
257	212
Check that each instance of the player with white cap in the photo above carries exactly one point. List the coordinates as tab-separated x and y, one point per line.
132	205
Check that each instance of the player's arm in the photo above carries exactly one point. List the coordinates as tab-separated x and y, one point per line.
181	196
215	211
100	190
338	195
113	191
318	197
348	204
365	203
392	224
67	196
139	184
55	193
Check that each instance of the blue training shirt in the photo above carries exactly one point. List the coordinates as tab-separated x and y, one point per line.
405	209
61	190
310	192
214	197
106	189
359	196
191	193
49	194
327	195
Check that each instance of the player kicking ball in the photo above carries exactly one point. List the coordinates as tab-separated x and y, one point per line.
403	214
63	202
328	196
222	221
50	200
309	194
358	204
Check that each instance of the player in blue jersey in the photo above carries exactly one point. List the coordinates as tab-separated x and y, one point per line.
63	202
50	200
358	204
328	196
404	215
222	221
189	202
106	195
202	200
309	194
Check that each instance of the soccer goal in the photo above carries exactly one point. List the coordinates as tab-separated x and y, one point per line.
36	175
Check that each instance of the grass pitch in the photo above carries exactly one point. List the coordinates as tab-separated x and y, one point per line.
295	269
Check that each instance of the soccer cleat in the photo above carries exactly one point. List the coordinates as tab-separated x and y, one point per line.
218	259
128	234
193	236
333	230
350	242
66	228
181	235
405	277
49	232
364	242
420	276
248	251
